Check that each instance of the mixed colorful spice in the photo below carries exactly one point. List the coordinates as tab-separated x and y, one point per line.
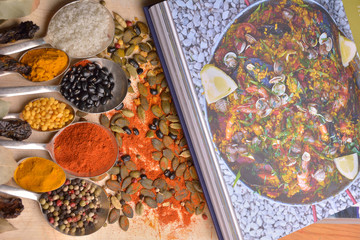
155	167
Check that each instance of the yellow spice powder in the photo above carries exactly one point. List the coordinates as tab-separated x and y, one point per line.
39	175
45	63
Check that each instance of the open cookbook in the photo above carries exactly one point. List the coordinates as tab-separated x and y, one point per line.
268	94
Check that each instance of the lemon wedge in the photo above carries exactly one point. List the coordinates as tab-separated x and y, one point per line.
347	50
347	165
217	84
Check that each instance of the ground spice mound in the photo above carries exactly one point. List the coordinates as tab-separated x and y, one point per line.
85	148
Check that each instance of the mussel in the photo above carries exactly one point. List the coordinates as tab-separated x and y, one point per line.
259	70
277	29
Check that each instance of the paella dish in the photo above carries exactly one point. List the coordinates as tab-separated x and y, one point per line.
287	122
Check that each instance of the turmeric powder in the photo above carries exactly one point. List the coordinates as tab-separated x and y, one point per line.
39	175
46	63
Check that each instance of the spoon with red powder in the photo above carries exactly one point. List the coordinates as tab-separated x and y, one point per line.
82	149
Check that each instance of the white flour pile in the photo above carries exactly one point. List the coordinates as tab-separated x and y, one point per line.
81	29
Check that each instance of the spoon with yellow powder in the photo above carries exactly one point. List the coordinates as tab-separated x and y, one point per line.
39	175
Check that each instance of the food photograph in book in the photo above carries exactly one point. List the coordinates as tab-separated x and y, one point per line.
280	91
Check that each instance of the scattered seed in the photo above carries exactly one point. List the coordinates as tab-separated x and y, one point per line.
165	96
193	172
142	89
124	222
156	110
130	165
135	174
128	35
175	125
180	195
113	185
139	208
187	174
159	183
164	127
156	155
147	183
168	154
165	105
180	170
113	215
126	182
104	120
175	163
150	134
141	113
164	162
168	141
115	117
114	170
160	197
132	71
139	58
115	202
150	202
143	27
197	186
185	154
190	186
126	197
119	20
144	103
127	210
157	144
147	193
128	113
145	47
166	195
189	207
200	209
117	129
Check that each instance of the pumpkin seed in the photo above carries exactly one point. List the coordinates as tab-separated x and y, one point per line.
200	209
180	170
127	113
115	117
122	122
130	165
150	202
145	47
128	35
99	178
164	162
116	58
151	73
159	183
120	53
175	125
113	185
152	81
119	20
151	56
195	199
173	118
156	110
157	144
123	172
141	113
190	186
126	182
139	208
117	129
135	174
131	70
197	186
174	131
156	155
143	27
182	142
168	154
144	103
185	154
124	223
164	83
126	197
160	198
163	127
127	210
147	183
154	62
165	96
168	141
104	120
167	195
147	193
150	134
180	195
115	202
114	170
193	173
159	79
136	40
113	215
139	58
175	163
142	89
127	74
133	188
187	174
129	50
189	207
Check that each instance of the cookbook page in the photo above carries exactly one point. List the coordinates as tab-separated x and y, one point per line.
277	84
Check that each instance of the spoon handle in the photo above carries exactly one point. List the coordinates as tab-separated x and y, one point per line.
19	47
18	91
23	145
12	115
18	192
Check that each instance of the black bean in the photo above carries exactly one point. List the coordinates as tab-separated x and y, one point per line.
95	97
102	74
100	89
105	70
143	176
139	71
122	201
77	92
133	63
96	103
137	30
159	134
120	106
127	130
125	157
71	78
84	96
86	73
79	69
104	100
111	86
91	79
167	173
111	49
111	77
141	197
135	131
172	175
153	91
173	136
91	66
152	126
156	122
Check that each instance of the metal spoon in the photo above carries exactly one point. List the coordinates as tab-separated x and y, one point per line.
102	213
50	148
119	91
20	115
18	47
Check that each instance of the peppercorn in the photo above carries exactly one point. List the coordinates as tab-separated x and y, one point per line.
125	157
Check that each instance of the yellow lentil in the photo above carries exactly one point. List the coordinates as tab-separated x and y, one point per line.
46	114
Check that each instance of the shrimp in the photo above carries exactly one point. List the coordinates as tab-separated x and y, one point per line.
342	100
305	177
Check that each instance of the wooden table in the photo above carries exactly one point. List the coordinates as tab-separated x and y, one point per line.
32	225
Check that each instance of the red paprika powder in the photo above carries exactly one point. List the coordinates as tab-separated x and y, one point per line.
85	149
